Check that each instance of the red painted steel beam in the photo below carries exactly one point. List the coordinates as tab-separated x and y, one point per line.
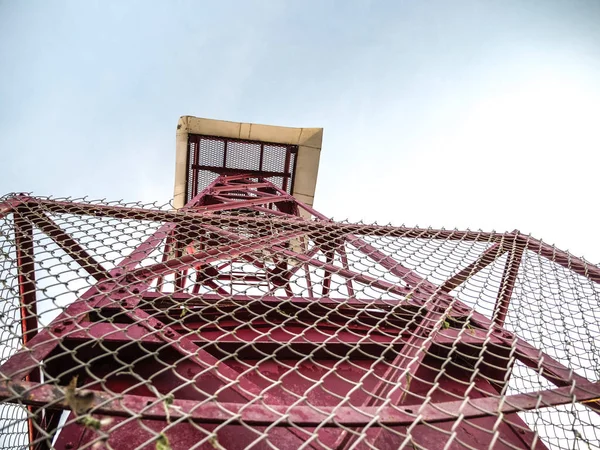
389	263
238	204
203	310
198	198
26	277
245	193
229	197
269	300
294	336
562	258
509	278
167	252
206	314
25	257
10	204
178	247
241	177
69	245
251	187
304	206
275	212
487	257
224	318
326	285
286	167
247	173
306	267
193	160
145	249
145	407
552	370
210	255
191	218
345	265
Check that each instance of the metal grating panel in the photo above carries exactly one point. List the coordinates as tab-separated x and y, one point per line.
243	156
217	156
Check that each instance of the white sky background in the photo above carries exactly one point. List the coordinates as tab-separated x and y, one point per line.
480	114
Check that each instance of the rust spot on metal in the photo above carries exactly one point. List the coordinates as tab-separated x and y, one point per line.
18	389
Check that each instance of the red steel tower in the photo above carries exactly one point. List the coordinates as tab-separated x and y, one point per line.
240	317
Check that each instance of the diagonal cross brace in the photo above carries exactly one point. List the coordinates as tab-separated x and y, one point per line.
69	245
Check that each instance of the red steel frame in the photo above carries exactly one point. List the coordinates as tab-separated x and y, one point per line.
125	290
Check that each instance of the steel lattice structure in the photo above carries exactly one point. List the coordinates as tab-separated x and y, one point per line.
247	319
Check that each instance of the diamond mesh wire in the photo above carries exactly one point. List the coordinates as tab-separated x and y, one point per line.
239	329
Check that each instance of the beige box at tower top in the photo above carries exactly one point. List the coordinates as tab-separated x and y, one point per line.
308	140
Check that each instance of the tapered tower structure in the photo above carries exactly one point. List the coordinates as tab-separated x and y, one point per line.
240	317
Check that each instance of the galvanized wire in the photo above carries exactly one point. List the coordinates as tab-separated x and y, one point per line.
242	330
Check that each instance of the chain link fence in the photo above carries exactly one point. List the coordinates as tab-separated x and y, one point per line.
136	326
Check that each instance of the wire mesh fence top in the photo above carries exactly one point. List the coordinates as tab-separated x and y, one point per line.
249	320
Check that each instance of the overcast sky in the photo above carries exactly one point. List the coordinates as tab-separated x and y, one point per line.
479	114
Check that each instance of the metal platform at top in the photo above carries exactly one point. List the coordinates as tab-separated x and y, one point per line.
206	148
